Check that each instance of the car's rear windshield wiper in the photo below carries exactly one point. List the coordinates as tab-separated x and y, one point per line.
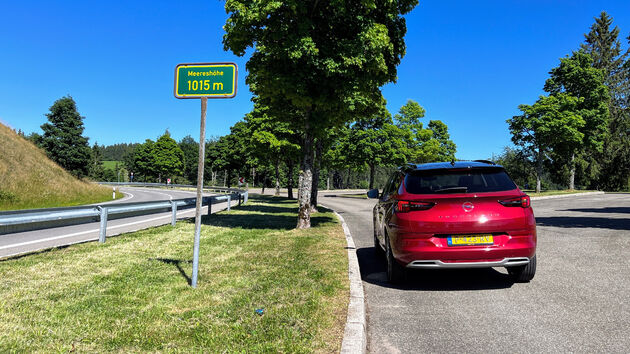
452	190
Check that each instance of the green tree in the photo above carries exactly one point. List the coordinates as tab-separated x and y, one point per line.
144	161
190	150
231	152
325	59
272	140
63	140
375	141
167	157
550	123
517	163
577	77
603	45
447	148
424	145
96	169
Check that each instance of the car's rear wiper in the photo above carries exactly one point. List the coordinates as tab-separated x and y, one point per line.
452	190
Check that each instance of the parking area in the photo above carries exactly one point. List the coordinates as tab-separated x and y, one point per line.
578	301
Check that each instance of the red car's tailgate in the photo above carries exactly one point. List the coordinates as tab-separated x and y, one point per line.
460	213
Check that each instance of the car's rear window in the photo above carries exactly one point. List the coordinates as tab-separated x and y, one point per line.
458	181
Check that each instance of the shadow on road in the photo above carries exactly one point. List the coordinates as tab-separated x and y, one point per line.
373	271
584	222
177	263
607	210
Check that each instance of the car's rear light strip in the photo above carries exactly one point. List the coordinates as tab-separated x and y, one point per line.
405	206
522	201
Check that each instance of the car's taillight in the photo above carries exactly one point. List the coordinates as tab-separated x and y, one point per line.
522	201
405	206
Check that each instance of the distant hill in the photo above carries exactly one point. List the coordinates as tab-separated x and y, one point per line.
28	179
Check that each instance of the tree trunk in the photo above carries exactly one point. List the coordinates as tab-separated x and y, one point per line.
316	167
304	212
300	179
572	173
539	170
224	178
277	177
290	178
228	175
254	177
328	181
372	167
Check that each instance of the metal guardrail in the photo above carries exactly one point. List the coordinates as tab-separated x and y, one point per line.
51	216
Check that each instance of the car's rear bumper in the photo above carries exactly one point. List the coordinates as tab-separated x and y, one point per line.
505	262
434	252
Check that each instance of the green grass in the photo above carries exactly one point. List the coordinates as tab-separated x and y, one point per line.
531	192
131	294
111	165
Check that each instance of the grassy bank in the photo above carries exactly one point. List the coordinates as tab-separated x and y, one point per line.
132	293
28	179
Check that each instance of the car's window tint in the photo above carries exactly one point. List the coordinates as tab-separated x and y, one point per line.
468	181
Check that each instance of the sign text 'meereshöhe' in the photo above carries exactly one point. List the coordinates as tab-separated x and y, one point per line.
212	80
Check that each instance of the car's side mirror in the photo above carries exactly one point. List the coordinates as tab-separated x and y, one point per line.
372	193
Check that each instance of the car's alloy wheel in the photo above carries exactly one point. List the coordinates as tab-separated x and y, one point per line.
395	272
525	273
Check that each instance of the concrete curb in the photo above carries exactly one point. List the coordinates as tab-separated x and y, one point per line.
566	195
355	333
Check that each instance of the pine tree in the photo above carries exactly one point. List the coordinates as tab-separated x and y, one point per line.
63	140
603	45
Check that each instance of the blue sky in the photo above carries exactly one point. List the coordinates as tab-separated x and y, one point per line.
470	64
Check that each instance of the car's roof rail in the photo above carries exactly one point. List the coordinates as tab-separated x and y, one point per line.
486	161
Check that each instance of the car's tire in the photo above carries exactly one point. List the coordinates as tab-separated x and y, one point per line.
396	273
377	245
525	273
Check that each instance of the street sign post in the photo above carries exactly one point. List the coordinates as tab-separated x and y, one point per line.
203	80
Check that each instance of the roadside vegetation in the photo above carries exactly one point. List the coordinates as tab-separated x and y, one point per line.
309	134
28	179
131	294
577	136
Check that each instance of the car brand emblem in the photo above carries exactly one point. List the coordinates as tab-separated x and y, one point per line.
468	207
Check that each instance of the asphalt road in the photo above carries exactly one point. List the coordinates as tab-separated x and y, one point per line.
32	241
579	300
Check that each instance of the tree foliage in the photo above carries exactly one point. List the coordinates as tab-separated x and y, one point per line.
167	157
323	60
63	138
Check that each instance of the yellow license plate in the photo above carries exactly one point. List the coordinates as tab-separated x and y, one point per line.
466	240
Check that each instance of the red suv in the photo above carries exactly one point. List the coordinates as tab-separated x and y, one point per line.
464	214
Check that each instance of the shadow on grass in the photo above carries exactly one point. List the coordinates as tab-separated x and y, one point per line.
177	263
260	221
271	209
373	271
